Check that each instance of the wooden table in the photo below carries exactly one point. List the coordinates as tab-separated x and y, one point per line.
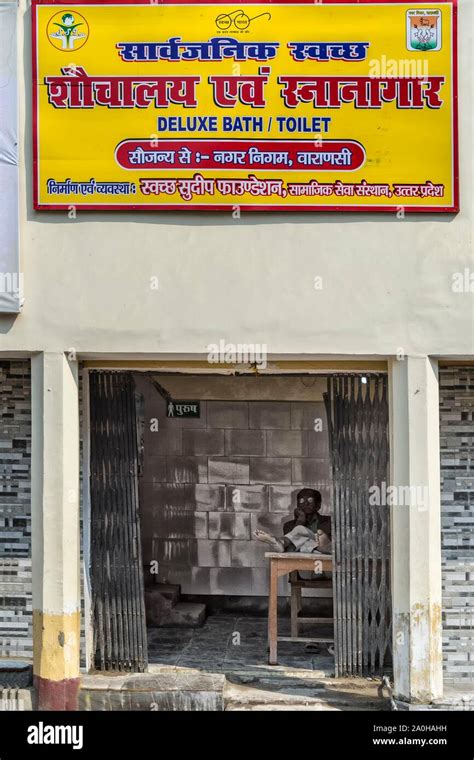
283	564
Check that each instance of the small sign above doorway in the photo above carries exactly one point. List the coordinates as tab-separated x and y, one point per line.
183	409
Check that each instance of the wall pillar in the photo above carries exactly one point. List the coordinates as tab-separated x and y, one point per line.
416	530
55	531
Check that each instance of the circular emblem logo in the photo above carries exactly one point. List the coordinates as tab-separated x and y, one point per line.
67	30
242	21
223	21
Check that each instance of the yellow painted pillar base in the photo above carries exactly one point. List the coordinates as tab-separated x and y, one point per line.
56	660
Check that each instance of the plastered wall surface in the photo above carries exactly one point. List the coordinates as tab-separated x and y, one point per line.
386	282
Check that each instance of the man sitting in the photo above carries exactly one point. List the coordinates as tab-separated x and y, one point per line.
309	532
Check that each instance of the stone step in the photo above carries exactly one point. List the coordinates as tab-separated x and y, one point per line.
186	614
157	607
242	697
171	591
269	707
297	697
172	688
160	691
159	701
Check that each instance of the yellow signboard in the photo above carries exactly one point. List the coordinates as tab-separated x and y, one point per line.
331	105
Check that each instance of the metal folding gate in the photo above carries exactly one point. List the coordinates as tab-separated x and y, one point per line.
357	413
118	607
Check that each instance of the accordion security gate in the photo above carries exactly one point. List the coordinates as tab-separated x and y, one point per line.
118	607
357	413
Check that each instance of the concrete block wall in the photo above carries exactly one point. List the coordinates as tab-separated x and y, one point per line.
207	484
457	521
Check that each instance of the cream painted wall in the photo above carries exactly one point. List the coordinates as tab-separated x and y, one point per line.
243	388
386	282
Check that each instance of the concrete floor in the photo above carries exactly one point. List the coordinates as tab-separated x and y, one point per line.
236	647
228	643
223	666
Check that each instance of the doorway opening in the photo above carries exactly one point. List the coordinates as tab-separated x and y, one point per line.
176	496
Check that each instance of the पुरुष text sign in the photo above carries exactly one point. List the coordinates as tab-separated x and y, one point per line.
331	106
180	409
